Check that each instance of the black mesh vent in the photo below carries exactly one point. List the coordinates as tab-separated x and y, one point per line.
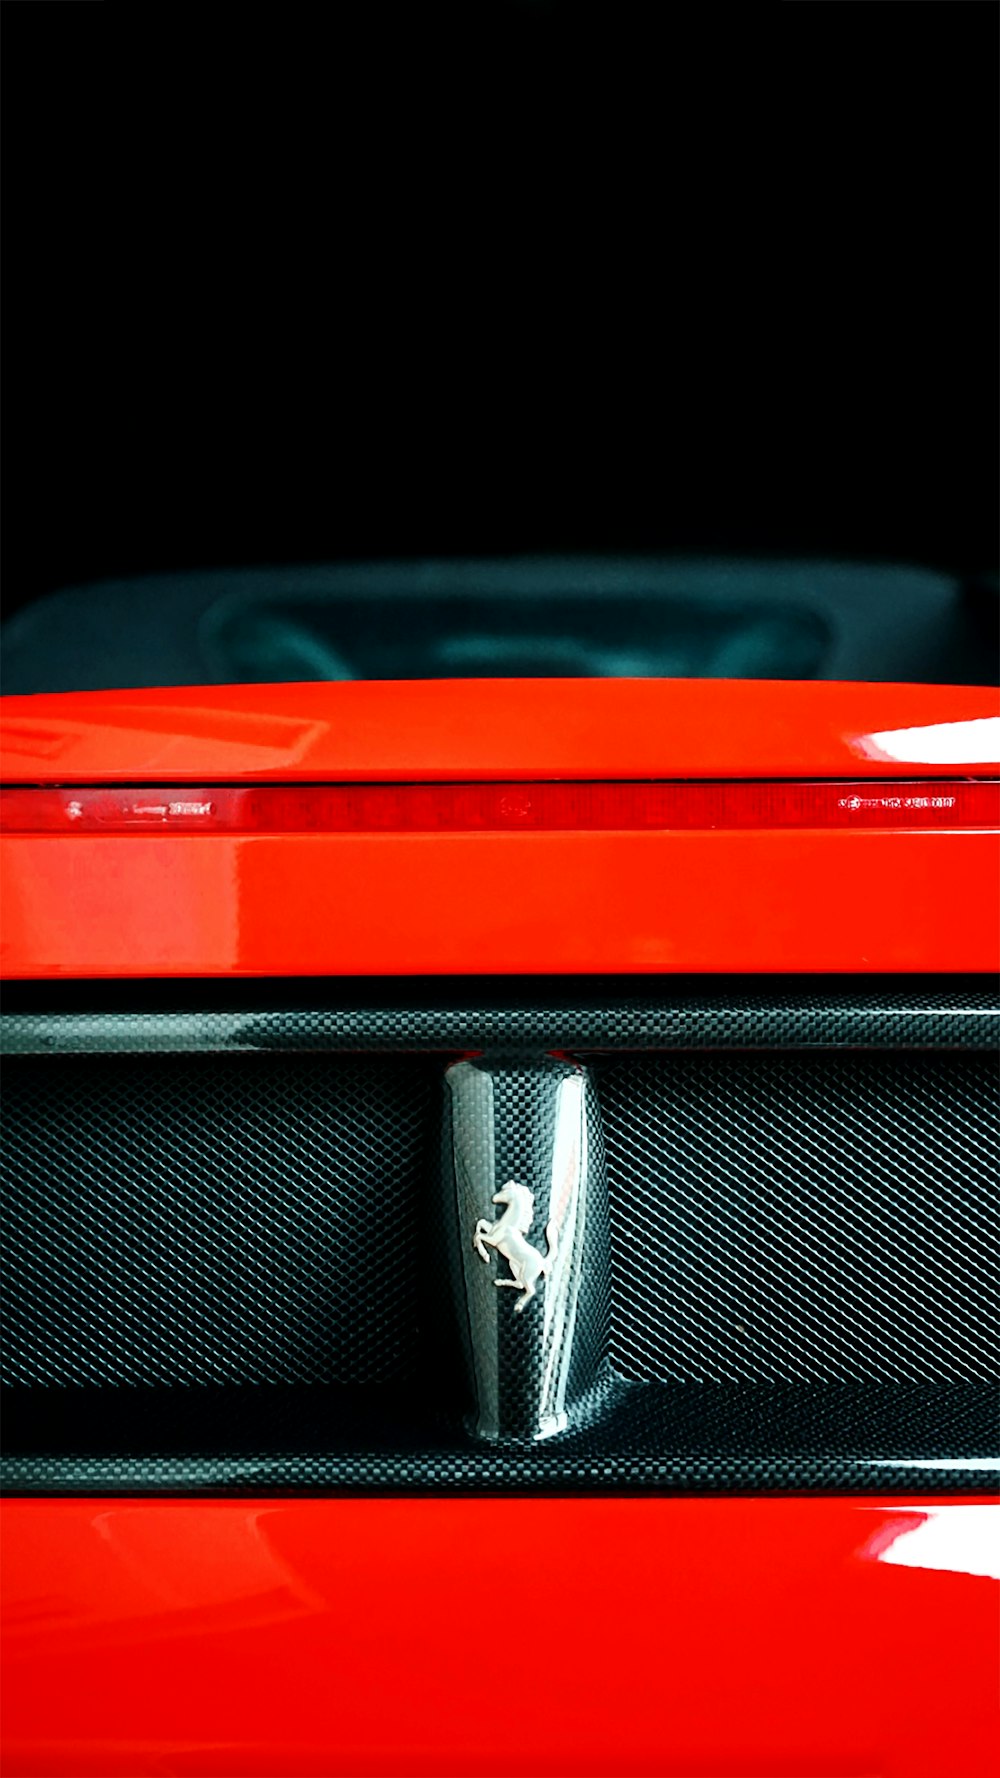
211	1219
802	1218
256	1237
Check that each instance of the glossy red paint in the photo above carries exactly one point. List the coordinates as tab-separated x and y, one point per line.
495	729
223	1639
770	899
279	1639
495	903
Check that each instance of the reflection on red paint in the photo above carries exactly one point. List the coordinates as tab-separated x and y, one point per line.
934	744
963	1540
493	729
458	1638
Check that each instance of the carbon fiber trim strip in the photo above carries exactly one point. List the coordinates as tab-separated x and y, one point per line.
654	1438
910	1013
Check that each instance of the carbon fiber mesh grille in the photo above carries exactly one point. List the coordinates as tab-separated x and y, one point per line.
801	1185
210	1219
801	1218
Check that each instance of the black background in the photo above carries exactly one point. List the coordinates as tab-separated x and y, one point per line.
506	278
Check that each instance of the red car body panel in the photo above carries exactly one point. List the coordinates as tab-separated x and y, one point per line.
718	1638
443	1638
530	729
762	899
559	1638
489	904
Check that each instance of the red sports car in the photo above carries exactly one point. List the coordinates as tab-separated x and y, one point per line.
499	1265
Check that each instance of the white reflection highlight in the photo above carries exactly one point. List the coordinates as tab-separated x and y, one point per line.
958	1539
974	742
988	1465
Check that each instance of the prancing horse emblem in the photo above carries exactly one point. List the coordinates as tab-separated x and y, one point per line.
507	1236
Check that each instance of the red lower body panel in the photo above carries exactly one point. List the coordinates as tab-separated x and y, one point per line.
783	902
758	1638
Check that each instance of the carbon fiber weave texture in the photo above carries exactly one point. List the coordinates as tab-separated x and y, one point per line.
797	1217
199	1220
904	1013
655	1438
786	1219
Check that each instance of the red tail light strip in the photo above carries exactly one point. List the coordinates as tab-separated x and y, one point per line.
477	808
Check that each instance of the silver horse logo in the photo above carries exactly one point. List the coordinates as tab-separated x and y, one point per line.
507	1235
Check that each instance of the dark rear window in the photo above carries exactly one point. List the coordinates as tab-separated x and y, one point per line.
524	618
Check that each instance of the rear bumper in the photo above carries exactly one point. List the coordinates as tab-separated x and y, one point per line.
730	1638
